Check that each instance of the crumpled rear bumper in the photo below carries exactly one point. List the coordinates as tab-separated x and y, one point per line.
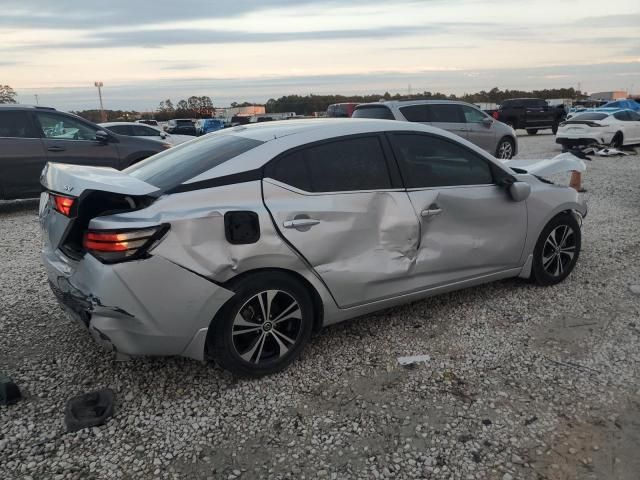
145	307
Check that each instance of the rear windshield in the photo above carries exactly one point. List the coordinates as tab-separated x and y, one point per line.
373	111
590	116
175	166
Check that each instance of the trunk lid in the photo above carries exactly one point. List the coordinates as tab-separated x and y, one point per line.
96	191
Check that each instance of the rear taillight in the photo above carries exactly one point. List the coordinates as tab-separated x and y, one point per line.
111	246
64	205
495	115
593	124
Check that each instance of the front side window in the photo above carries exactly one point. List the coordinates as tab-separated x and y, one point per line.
175	166
15	124
373	111
427	161
339	166
471	115
416	113
62	127
446	113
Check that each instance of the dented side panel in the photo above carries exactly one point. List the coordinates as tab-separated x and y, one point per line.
472	231
363	245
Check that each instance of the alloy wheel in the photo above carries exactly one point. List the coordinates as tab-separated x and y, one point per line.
559	250
505	150
267	326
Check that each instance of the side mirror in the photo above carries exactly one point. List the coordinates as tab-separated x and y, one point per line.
519	191
163	134
487	122
102	136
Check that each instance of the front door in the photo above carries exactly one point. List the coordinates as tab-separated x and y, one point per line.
336	204
469	226
69	140
22	156
449	117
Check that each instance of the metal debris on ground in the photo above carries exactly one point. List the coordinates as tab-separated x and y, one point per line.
414	359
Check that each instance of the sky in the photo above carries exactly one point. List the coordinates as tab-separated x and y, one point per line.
145	51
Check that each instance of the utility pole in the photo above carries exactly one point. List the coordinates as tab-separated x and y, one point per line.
36	95
100	85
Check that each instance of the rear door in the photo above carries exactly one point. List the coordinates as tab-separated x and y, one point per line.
481	129
22	155
469	226
538	113
70	140
634	126
339	205
450	117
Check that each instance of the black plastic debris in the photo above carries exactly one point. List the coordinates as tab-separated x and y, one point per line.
89	410
9	391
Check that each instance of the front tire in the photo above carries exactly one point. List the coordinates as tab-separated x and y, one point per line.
264	327
505	149
617	140
557	250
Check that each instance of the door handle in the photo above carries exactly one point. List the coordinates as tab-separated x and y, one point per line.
300	223
431	212
56	148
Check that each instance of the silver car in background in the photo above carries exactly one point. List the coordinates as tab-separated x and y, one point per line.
463	119
238	245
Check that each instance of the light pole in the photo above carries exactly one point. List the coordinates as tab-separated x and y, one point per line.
99	85
36	95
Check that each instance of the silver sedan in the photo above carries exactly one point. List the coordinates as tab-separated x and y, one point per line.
239	245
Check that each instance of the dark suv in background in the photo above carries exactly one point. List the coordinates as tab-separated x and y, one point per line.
531	114
31	136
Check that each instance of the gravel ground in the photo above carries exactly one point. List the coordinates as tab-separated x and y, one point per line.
523	381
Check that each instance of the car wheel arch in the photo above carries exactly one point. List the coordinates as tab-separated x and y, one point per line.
318	308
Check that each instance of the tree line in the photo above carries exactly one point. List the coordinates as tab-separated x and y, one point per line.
7	94
308	104
192	107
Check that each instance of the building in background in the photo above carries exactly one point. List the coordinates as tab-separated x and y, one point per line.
609	96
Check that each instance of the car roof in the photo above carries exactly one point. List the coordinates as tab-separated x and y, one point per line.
400	103
24	106
328	127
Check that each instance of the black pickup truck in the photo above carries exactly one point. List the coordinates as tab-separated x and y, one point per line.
532	114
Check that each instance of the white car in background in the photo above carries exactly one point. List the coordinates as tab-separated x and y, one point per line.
133	129
605	128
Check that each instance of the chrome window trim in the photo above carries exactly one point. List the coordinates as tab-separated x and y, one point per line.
299	191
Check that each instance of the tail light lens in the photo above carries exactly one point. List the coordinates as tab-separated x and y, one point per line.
112	246
495	115
64	205
593	124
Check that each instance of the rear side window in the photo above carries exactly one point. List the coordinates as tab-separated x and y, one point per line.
121	129
472	115
428	161
624	116
591	116
446	113
344	165
373	111
416	113
175	166
16	124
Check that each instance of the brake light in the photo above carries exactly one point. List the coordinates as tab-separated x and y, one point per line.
116	246
63	204
593	124
495	115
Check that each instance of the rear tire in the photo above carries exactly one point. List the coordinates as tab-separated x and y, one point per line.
557	250
532	131
554	128
248	338
617	140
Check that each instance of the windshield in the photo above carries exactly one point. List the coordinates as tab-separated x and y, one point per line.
591	116
373	111
175	166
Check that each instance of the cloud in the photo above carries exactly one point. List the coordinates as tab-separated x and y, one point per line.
622	20
83	14
158	37
180	66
